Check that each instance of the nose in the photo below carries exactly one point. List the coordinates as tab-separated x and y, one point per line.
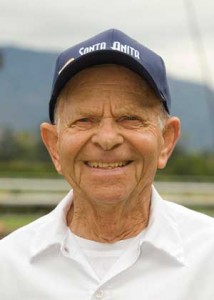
107	135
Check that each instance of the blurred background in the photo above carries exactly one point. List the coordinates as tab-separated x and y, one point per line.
32	33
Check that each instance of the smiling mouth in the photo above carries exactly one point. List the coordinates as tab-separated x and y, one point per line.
110	165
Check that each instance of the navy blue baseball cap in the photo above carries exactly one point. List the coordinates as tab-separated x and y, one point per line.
110	47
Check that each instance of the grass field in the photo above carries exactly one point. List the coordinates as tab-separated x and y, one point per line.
11	222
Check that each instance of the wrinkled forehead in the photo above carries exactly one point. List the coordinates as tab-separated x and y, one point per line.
109	77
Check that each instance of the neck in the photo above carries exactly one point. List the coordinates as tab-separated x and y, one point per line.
108	223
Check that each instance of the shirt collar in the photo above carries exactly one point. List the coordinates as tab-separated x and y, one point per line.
162	231
52	229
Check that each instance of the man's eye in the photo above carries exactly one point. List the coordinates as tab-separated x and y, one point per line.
131	118
130	121
84	122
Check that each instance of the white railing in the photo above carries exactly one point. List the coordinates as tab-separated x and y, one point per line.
25	191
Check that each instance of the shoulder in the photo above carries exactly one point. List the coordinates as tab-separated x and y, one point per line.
39	233
189	214
187	220
20	239
191	223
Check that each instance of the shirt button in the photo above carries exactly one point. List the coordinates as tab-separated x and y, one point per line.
99	294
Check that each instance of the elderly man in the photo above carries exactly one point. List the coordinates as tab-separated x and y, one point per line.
112	236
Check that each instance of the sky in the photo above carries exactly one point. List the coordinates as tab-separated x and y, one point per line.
181	31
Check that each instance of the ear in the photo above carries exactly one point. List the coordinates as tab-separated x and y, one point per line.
50	139
171	134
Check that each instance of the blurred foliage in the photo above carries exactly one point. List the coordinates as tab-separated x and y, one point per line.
191	165
23	154
22	146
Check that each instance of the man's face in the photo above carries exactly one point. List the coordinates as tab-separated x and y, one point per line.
109	141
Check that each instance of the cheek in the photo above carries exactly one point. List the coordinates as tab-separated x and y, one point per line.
148	146
147	143
70	146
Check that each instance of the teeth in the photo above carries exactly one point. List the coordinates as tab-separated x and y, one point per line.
103	165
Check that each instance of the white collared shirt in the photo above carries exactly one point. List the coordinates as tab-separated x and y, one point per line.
172	260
